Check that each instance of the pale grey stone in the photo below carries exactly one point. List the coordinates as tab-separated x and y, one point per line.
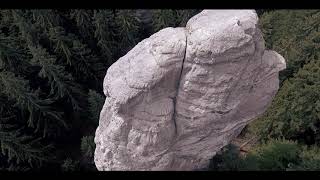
181	95
136	123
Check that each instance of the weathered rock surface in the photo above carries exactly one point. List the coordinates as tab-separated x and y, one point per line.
181	95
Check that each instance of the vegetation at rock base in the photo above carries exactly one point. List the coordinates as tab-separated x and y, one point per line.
294	115
52	65
275	155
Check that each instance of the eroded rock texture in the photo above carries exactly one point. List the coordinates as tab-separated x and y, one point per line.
181	95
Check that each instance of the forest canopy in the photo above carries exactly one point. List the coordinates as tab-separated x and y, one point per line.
52	65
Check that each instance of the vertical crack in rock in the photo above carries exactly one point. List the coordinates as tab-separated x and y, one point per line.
137	126
182	94
178	86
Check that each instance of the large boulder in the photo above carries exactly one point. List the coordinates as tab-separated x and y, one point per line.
181	95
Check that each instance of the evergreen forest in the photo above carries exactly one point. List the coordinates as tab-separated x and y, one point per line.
52	65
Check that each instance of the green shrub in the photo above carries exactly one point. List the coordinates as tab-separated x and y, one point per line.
276	155
310	160
227	159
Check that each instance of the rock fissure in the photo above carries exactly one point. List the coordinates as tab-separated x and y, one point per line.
178	87
182	94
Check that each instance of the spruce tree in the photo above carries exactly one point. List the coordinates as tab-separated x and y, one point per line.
52	65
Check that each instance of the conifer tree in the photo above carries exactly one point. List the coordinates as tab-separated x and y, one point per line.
293	34
104	33
96	102
52	65
294	113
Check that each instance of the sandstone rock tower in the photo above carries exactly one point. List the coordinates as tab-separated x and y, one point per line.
182	94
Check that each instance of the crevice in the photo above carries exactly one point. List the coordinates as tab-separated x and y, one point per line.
178	87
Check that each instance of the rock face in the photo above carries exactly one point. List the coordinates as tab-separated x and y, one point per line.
181	95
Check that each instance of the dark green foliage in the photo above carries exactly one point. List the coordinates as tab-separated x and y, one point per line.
171	18
13	56
227	159
40	114
104	23
88	146
61	83
52	65
70	165
164	18
20	148
84	19
310	160
116	31
275	155
294	34
96	102
128	25
294	113
260	12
